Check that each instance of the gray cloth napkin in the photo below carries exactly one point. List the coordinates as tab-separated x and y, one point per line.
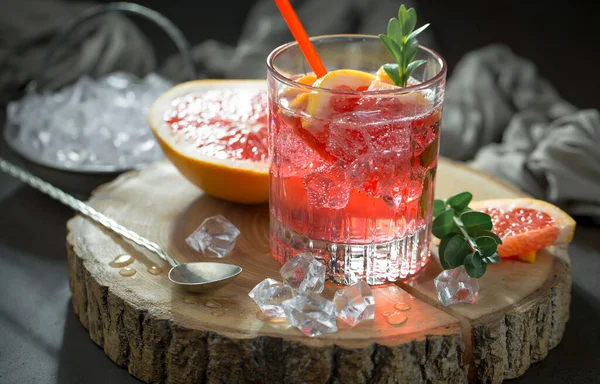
505	119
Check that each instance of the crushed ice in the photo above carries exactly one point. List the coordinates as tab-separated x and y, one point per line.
90	125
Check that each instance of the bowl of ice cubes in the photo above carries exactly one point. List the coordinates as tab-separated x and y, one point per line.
94	128
91	126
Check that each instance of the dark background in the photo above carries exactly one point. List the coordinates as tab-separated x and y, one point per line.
41	339
562	40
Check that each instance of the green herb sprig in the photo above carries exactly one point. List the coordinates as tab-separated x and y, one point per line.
401	41
466	236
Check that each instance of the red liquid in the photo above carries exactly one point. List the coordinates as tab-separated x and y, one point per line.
366	175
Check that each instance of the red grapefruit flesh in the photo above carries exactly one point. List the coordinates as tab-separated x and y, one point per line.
527	225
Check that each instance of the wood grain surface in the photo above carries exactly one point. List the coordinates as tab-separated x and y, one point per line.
162	334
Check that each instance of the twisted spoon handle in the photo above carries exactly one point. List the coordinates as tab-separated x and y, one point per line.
84	209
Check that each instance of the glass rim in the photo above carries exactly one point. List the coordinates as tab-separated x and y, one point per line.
410	88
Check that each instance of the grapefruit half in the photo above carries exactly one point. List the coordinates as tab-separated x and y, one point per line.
526	225
215	133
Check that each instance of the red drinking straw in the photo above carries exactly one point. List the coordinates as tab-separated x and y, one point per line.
293	23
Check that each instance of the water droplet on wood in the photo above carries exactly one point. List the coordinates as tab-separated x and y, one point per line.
127	272
122	261
154	270
212	304
402	306
397	318
218	313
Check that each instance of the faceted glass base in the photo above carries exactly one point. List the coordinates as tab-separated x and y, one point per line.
377	263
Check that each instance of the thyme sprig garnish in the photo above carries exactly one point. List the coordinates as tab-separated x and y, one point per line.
401	41
466	236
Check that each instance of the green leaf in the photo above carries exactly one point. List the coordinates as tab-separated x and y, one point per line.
493	259
392	72
414	65
444	243
414	34
426	195
430	154
409	52
442	250
410	20
401	41
486	245
444	264
392	47
443	224
456	251
460	201
487	233
474	265
402	15
475	219
394	31
438	207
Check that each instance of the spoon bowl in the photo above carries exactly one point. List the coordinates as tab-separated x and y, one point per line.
203	277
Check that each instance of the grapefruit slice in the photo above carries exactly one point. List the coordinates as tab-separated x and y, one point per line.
410	98
382	76
377	85
320	104
215	133
527	225
291	93
308	79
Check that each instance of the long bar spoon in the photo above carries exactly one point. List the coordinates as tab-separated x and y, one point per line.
195	277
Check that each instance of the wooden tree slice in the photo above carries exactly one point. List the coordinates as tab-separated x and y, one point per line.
163	334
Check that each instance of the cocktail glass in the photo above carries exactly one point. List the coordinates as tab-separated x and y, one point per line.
352	170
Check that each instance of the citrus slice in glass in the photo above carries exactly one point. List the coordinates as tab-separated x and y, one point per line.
382	76
321	104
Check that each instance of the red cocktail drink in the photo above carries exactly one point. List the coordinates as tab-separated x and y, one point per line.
353	159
